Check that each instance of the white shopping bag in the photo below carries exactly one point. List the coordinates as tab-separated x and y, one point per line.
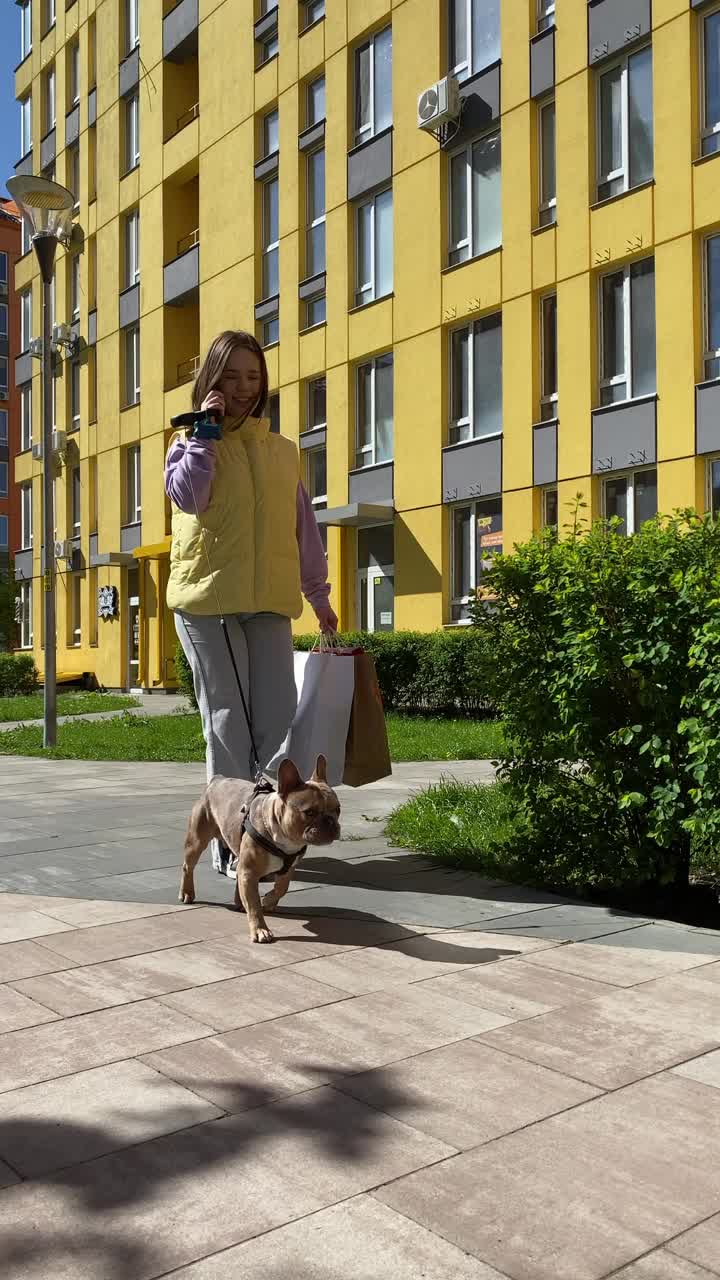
325	685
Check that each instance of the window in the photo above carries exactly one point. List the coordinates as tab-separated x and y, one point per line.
315	111
268	47
92	53
271	140
476	535
25	29
625	112
25	125
315	311
26	517
3	533
132	24
273	412
374	414
713	478
550	509
25	319
75	501
712	307
4	384
3	479
92	163
3	426
316	404
267	6
26	417
133	505
3	319
374	248
3	267
49	14
271	239
315	196
92	384
74	74
476	380
92	495
548	358
632	498
25	611
475	199
627	333
548	193
271	331
49	100
474	31
373	86
75	286
75	581
132	132
711	83
132	365
316	483
75	395
314	11
546	14
72	169
132	249
25	236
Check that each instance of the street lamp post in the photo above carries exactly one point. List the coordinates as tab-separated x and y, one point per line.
48	207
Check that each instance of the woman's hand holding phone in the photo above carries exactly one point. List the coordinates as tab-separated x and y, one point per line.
214	405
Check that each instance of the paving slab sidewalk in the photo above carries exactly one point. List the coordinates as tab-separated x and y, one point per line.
428	1074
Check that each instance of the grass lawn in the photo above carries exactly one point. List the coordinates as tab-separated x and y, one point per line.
30	706
464	823
179	738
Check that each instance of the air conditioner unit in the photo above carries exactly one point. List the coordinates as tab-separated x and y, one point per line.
36	348
439	105
62	333
37	452
59	441
63	550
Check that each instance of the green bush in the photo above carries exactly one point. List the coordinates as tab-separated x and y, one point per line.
18	674
606	674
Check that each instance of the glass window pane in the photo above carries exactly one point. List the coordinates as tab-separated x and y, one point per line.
271	212
462	533
712	70
613	325
713	293
316	101
384	244
642	315
316	311
549	345
487	376
487	220
715	488
550	508
383	408
316	249
271	273
616	500
383	80
488	533
271	125
645	497
640	110
317	407
3	320
611	121
460	374
317	473
363	59
364	414
316	185
485	33
547	140
458	33
458	199
364	247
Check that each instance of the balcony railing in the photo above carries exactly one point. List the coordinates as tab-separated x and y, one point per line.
188	370
188	242
184	120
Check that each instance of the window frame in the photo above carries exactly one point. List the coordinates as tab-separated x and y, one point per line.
25	29
309	399
360	290
468	68
706	130
548	399
365	132
75	395
4	416
75	502
547	205
26	516
459	603
549	491
25	125
623	173
26	615
309	7
268	117
270	247
50	99
310	118
462	430
26	426
456	248
629	476
74	74
132	25
4	320
75	581
3	266
75	286
132	347
133	485
628	377
4	478
4	378
712	460
545	15
269	47
50	15
4	532
132	248
312	224
132	132
708	353
371	449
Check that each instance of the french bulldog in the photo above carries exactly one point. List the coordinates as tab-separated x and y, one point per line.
298	814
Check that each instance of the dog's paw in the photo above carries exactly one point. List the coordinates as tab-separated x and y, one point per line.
261	935
269	902
186	898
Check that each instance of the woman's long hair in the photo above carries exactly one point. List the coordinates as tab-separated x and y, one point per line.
213	367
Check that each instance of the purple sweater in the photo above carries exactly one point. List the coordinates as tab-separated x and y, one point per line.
190	468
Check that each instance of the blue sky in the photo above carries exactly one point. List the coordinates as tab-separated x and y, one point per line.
9	118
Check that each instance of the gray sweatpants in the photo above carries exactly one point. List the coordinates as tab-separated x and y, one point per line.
263	651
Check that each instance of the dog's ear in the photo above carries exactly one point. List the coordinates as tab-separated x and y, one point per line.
288	779
320	774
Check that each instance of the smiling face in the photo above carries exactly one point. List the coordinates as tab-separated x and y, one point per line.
241	383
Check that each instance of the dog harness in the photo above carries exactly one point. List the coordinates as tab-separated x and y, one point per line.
288	859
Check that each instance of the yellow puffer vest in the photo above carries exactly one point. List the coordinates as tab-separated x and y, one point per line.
250	530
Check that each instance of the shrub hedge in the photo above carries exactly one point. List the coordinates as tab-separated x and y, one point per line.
18	674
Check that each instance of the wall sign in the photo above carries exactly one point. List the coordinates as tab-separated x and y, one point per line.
107	602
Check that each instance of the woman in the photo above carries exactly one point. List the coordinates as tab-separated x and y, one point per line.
245	544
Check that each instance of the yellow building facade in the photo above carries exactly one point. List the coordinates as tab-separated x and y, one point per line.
476	301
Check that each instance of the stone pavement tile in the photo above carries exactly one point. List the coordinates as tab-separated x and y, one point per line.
25	959
516	988
439	910
245	1068
706	1069
580	1194
411	960
300	938
701	1244
662	1265
80	913
13	841
8	1177
79	1117
619	1037
570	922
623	960
133	937
141	1212
465	1097
91	1040
348	1241
17	1011
19	923
255	997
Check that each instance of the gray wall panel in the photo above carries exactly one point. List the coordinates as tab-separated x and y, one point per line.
130	537
371	484
129	306
129	74
472	470
182	276
613	24
542	63
545	453
72	126
370	165
624	435
180	31
707	417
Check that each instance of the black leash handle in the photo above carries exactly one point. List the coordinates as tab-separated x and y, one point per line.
257	772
